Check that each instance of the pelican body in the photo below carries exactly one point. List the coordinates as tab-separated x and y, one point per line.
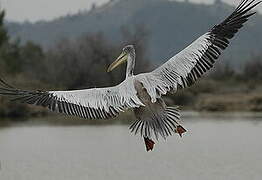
153	117
143	92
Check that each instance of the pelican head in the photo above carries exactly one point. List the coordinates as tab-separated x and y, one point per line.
127	55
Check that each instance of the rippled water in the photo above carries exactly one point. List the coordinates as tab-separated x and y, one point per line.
214	148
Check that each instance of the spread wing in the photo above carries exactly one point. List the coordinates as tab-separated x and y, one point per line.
186	67
97	103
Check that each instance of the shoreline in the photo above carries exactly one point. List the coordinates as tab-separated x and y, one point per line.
124	119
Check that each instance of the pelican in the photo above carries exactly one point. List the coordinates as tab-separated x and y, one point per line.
143	92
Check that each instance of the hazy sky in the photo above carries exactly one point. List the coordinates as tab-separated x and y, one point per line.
33	10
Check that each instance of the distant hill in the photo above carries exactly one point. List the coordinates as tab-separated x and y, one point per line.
172	25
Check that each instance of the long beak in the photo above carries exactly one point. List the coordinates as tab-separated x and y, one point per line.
120	60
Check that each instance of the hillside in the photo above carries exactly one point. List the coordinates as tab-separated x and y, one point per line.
171	25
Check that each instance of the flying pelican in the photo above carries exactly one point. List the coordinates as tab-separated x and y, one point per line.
143	92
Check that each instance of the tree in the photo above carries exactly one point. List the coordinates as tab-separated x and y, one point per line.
252	69
31	60
80	63
3	37
10	57
3	33
223	72
9	52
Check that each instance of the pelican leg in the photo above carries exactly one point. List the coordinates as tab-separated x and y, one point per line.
149	144
180	130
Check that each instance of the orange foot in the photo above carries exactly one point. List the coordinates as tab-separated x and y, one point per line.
180	130
149	144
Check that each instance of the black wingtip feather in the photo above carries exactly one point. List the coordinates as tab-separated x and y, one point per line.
219	37
228	28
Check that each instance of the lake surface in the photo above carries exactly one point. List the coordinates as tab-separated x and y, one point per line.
215	148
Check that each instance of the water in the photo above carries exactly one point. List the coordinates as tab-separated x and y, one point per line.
214	148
